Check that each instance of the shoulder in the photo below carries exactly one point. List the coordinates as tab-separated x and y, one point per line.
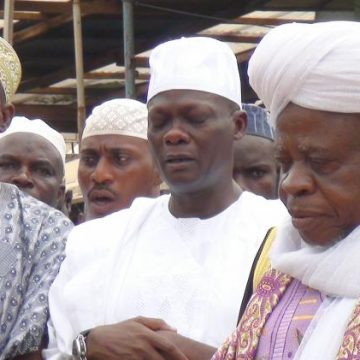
33	218
99	235
273	210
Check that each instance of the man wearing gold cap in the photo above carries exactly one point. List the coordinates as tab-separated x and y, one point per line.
32	241
173	257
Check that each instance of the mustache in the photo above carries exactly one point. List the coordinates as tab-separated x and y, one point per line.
100	187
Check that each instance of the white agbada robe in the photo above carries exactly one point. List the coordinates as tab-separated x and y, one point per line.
144	261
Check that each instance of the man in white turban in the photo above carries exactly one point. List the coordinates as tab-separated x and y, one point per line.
116	165
307	306
173	257
32	157
32	238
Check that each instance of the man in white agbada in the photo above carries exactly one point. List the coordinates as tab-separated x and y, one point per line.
116	165
174	257
32	157
309	302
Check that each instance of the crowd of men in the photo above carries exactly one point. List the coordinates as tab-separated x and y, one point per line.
164	277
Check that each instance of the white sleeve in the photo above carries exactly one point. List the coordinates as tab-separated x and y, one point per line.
59	347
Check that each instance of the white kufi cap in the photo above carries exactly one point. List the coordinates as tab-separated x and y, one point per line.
21	124
118	117
198	63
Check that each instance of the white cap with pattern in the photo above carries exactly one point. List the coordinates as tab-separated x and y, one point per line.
10	69
197	63
21	124
118	117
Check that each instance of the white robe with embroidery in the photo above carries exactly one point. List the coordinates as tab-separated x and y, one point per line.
143	261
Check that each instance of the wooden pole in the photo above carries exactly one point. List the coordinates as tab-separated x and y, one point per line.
79	62
8	20
128	24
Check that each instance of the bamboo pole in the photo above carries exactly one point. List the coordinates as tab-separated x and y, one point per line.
79	62
8	20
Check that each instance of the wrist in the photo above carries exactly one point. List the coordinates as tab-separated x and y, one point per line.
79	350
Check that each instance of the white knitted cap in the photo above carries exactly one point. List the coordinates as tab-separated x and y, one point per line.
21	124
118	117
198	63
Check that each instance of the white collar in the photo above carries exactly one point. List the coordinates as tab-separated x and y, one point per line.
333	270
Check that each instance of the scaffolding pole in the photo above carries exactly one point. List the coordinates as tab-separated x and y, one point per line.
79	62
8	20
128	23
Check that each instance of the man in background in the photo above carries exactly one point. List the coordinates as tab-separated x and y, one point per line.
32	157
116	165
255	167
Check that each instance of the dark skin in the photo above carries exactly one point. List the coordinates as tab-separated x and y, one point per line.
191	136
113	171
319	154
7	111
138	338
34	165
255	167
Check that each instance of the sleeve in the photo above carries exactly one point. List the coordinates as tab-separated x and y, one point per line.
59	325
73	287
57	348
46	253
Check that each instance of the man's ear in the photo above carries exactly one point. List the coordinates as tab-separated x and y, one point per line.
155	181
157	178
6	114
240	122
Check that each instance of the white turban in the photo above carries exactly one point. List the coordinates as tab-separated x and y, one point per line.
316	66
198	63
118	117
21	124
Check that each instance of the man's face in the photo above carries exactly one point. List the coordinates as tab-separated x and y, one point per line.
191	135
319	154
32	164
113	171
255	167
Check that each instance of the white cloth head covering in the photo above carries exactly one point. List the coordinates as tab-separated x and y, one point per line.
198	63
118	117
316	66
21	124
10	69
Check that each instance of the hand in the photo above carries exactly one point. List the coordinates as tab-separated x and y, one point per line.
193	349
134	339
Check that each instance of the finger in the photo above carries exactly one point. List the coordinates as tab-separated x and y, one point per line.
167	348
154	324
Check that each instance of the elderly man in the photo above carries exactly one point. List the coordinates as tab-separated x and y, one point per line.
173	257
116	165
255	167
32	157
307	306
32	243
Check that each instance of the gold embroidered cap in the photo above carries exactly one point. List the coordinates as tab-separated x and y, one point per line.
10	69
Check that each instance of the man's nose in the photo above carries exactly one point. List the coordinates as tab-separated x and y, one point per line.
176	134
23	179
103	172
298	180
